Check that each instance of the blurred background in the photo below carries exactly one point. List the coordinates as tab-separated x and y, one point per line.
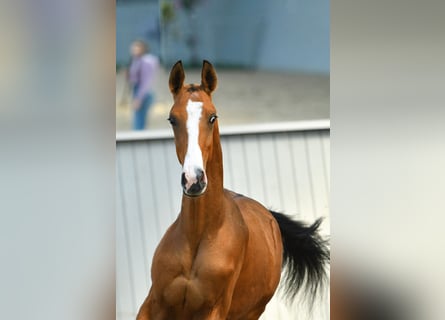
272	58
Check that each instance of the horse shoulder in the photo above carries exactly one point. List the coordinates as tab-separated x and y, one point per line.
167	262
221	249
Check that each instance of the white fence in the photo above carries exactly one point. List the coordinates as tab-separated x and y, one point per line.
284	166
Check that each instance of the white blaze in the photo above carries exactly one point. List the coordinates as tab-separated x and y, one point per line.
193	157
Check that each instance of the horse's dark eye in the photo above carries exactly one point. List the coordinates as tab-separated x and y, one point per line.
172	121
213	118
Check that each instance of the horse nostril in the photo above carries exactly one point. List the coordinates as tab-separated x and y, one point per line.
199	175
183	180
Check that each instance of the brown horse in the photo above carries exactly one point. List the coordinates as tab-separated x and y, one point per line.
222	257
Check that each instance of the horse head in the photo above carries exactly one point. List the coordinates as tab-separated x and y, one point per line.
194	122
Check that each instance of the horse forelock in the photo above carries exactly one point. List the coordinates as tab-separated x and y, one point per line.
193	88
193	92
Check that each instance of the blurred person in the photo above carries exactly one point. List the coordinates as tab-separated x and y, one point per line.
141	75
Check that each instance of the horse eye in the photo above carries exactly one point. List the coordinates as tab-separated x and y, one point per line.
213	118
172	121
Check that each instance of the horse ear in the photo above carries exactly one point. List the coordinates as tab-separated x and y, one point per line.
176	78
208	77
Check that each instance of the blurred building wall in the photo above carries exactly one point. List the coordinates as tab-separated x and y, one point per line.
285	35
135	20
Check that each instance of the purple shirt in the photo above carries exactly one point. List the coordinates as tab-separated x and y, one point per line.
142	73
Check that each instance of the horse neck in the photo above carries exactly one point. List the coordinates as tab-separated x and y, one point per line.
205	213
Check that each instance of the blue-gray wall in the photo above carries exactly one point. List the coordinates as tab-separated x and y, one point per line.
135	20
285	35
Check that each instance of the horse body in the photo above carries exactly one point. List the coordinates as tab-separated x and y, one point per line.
205	276
222	257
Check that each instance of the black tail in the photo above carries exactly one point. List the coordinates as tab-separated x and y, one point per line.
305	254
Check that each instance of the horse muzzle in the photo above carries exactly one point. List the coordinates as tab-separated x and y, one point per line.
194	185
